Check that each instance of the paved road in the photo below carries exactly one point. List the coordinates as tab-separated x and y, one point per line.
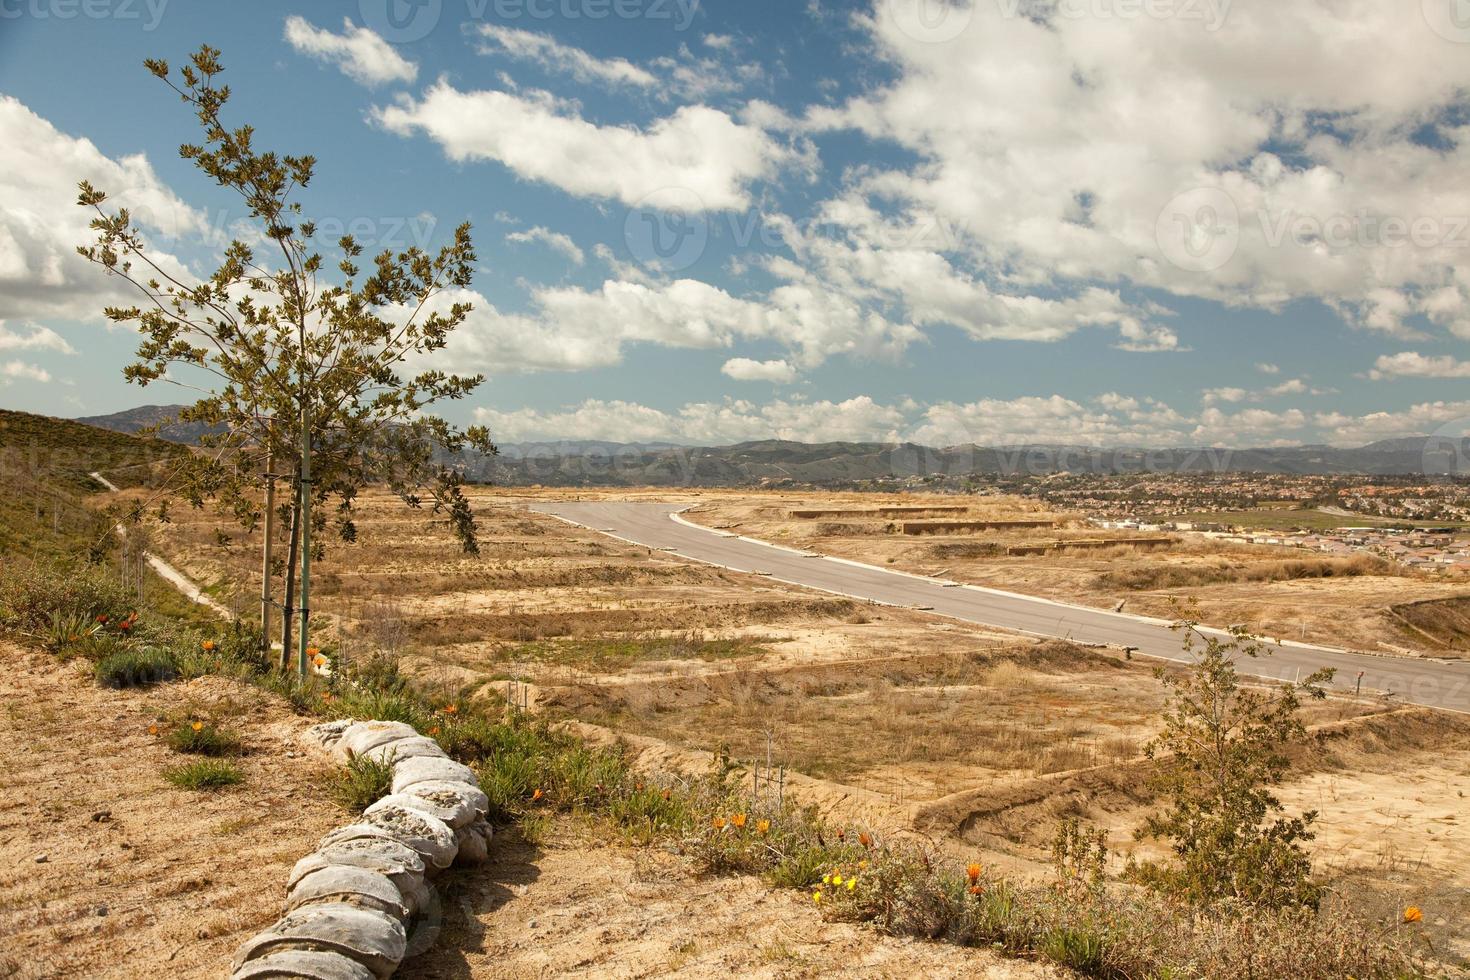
1434	683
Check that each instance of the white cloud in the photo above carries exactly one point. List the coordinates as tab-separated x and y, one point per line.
1232	395
1057	143
745	369
701	423
552	54
1250	427
359	53
1265	368
38	338
1422	419
41	276
554	240
1411	364
21	371
699	149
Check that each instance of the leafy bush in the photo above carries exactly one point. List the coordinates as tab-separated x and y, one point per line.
136	667
35	597
362	783
203	738
204	774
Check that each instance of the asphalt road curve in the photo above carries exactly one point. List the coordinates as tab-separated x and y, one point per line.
1434	683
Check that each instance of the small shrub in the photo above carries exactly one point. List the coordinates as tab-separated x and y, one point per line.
362	783
204	774
203	738
136	668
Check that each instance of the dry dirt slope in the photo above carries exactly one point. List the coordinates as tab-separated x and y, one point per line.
143	880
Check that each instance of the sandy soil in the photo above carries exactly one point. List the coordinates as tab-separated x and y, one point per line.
140	879
578	907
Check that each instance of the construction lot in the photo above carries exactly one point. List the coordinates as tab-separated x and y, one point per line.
891	716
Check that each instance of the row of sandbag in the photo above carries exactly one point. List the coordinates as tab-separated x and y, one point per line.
351	902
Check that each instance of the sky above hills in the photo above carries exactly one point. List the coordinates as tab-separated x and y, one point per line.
1123	222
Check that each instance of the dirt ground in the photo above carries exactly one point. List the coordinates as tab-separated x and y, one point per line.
108	871
576	906
979	738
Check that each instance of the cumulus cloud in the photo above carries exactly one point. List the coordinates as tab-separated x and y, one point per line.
41	276
357	52
554	240
1425	418
1266	368
698	149
36	337
700	423
1411	364
1232	395
1074	150
21	371
745	369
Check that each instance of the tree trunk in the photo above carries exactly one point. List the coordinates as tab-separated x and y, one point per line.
288	607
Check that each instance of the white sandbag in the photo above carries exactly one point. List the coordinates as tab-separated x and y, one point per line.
374	939
438	791
342	884
396	861
303	965
474	842
416	747
451	808
328	733
366	735
428	835
407	772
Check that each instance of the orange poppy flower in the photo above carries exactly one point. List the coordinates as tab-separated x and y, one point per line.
762	826
152	729
451	709
198	726
102	619
434	730
865	840
536	795
738	820
1413	914
976	890
208	646
312	652
718	823
326	695
973	873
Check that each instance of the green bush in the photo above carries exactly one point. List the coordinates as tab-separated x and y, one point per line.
35	596
136	667
204	774
206	739
362	783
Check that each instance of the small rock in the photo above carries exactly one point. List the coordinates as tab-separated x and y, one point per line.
102	910
42	858
102	816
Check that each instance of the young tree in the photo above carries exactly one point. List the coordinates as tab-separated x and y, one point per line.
1223	745
297	366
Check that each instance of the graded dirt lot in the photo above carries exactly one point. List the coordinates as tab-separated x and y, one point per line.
108	871
980	739
1279	591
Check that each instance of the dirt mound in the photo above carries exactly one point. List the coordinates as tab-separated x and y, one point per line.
1442	624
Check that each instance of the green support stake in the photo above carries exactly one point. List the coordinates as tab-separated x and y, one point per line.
305	511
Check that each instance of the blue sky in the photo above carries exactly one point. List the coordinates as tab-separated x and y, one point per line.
1102	221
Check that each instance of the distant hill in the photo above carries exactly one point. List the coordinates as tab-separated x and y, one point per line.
581	462
135	420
